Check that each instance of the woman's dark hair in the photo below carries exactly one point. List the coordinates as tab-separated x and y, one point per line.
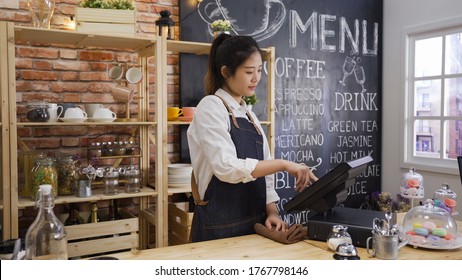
229	51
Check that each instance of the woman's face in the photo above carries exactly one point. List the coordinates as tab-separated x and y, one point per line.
247	76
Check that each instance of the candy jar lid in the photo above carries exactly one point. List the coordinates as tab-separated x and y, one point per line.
431	227
412	185
446	199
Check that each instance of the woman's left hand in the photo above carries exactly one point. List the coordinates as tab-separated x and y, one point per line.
274	222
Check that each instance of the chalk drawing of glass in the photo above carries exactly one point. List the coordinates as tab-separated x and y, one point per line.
360	77
348	67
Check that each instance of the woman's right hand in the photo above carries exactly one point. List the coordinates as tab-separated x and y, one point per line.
302	173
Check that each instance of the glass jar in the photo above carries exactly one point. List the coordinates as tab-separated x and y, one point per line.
44	172
107	149
431	227
37	112
129	147
95	150
68	175
27	162
412	185
111	180
337	236
446	199
119	148
133	184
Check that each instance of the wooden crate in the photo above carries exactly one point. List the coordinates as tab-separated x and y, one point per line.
105	21
103	237
179	223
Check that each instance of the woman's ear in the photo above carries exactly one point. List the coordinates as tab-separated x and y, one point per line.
224	72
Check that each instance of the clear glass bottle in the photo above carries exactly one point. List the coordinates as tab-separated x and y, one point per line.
46	237
337	236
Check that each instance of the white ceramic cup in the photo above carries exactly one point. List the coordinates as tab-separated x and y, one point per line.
75	113
91	107
115	72
134	75
104	113
53	111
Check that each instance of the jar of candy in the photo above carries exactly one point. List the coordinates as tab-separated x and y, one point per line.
337	236
431	227
44	172
446	199
412	185
68	175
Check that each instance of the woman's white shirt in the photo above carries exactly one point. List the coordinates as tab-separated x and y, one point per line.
212	150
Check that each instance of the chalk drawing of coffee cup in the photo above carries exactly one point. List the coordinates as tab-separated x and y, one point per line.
260	19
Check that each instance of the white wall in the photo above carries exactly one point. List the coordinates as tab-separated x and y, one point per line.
398	15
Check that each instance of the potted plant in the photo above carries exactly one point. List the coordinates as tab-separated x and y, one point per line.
109	17
250	100
220	26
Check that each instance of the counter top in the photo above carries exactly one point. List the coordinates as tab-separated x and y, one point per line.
256	247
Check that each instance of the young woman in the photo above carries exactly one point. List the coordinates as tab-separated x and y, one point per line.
231	161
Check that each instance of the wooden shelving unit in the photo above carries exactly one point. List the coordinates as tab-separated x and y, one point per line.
152	132
11	35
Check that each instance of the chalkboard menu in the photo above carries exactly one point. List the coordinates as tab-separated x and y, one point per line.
328	80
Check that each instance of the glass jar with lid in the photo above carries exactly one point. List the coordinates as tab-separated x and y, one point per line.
337	236
133	183
37	111
119	148
446	199
68	175
412	185
431	227
44	172
111	180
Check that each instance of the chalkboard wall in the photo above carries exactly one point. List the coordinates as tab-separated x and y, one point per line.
328	80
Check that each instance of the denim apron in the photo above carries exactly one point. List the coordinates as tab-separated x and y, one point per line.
233	209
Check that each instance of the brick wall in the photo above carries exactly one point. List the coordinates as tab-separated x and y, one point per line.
65	74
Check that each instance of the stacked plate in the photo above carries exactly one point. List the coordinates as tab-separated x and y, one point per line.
179	175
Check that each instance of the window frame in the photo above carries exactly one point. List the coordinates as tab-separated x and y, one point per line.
408	143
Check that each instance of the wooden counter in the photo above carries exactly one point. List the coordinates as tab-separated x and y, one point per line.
256	247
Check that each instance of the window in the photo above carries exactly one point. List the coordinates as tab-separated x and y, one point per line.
433	114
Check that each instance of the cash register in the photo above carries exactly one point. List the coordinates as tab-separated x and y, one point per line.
323	198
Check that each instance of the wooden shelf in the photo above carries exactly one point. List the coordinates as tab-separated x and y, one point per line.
97	196
22	124
76	39
193	47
